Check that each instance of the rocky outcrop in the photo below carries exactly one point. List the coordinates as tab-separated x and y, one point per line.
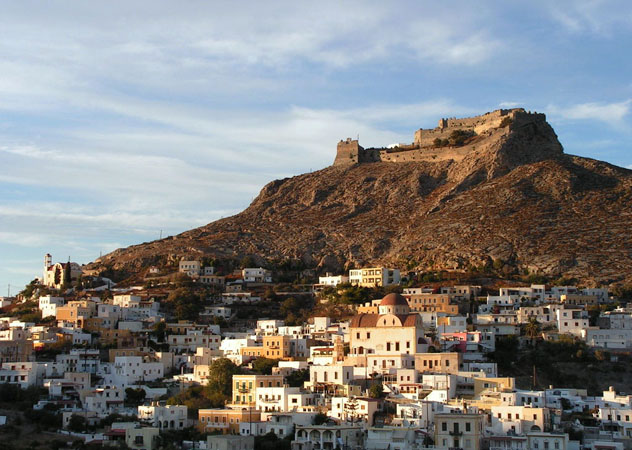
514	197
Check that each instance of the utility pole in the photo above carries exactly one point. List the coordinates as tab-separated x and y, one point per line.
160	234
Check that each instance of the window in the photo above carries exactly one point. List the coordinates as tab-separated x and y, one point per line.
468	427
444	426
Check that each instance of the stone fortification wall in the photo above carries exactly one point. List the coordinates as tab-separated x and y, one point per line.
426	154
423	147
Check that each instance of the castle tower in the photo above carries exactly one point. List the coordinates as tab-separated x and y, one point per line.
417	140
348	152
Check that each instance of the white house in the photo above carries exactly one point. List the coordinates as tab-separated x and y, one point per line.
48	305
167	417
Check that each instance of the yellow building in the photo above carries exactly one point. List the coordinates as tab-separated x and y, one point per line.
276	347
493	384
245	387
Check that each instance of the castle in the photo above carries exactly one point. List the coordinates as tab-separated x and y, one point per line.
438	144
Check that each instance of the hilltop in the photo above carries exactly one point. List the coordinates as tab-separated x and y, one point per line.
492	188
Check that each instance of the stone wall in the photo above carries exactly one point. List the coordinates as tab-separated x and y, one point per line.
423	148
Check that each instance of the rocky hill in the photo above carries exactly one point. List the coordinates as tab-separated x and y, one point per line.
504	192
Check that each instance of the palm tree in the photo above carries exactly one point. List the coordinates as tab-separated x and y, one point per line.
532	329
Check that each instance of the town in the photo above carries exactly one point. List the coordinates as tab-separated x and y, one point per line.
205	354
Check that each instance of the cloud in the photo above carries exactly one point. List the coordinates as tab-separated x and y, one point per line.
609	113
509	104
598	17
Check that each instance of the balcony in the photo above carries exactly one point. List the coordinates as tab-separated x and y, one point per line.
216	425
456	433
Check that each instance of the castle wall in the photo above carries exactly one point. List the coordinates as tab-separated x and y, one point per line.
423	149
426	154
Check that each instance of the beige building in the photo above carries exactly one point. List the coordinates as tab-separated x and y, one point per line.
142	438
190	268
464	431
437	362
225	421
443	303
519	419
77	312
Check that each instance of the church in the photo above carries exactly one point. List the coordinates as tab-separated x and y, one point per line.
55	274
393	331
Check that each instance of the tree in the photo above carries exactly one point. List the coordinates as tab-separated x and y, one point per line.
297	378
79	283
185	303
532	329
320	418
220	377
67	276
159	330
376	391
135	396
77	423
264	366
247	262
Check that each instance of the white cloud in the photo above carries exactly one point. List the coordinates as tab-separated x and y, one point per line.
600	17
609	113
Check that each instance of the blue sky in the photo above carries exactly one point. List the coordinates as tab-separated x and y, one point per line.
121	119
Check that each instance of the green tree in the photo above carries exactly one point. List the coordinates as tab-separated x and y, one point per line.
185	303
320	418
79	283
532	329
297	378
220	377
376	391
135	396
67	276
159	330
264	366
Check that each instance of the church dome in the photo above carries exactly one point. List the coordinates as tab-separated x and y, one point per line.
394	299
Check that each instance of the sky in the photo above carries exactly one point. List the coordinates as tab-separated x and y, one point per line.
122	121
